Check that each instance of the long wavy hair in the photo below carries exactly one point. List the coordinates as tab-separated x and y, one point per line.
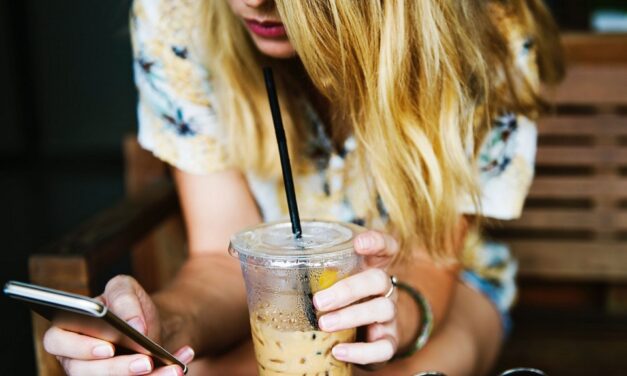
413	80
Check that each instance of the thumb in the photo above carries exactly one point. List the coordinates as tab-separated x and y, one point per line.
375	243
122	299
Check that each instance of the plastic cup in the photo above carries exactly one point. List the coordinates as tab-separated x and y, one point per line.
282	273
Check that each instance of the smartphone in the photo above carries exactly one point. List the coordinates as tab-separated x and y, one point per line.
87	316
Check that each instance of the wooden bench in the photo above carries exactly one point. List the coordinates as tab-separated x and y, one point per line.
143	235
571	241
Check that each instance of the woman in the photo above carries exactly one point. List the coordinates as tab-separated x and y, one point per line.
409	117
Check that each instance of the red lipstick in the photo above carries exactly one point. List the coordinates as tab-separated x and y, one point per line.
266	29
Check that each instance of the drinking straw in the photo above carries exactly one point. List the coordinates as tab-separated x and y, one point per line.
288	181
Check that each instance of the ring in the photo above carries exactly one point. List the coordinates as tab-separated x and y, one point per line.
394	282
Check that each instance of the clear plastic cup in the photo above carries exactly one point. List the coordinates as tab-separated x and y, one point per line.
282	273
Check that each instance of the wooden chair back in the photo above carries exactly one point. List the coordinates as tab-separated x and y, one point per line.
574	225
571	242
142	235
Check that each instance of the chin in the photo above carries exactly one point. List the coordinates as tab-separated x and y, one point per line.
278	49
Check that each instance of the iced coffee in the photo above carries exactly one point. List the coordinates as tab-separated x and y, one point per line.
282	274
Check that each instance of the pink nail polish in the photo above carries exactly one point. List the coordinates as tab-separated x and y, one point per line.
138	324
102	351
340	352
364	242
328	322
140	366
323	299
186	355
175	371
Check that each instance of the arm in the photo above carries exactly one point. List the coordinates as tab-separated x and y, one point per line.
468	331
185	312
211	277
389	325
466	344
435	281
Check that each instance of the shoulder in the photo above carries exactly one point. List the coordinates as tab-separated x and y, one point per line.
176	114
168	12
510	22
169	51
175	23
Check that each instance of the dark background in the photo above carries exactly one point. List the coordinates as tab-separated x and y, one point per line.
66	100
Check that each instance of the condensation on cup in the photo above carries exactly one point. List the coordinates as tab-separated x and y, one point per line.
282	273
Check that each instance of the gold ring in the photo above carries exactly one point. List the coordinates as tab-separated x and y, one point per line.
394	282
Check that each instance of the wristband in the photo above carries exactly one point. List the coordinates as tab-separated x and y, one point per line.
426	321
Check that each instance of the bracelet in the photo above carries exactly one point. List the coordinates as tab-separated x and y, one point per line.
426	320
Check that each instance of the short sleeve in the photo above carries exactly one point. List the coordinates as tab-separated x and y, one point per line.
177	121
505	167
506	156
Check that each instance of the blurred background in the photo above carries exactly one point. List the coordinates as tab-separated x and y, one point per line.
66	101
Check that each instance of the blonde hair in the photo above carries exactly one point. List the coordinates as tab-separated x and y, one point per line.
242	104
411	77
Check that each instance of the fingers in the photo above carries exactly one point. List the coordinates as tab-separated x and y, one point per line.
371	282
377	310
366	353
122	299
168	371
375	243
74	350
119	365
63	343
185	354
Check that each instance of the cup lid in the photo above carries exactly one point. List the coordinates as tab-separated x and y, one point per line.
274	245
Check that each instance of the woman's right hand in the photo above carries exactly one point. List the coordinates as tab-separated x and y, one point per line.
84	355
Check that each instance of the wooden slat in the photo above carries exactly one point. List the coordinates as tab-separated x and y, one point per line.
610	124
105	239
567	343
595	48
617	300
69	273
158	256
580	155
534	294
556	219
620	222
571	260
576	187
593	84
608	220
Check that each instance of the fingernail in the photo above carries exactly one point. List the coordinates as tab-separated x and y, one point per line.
102	351
323	299
328	322
140	366
137	324
364	242
340	352
186	355
175	371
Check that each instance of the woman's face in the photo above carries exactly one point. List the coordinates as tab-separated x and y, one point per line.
262	21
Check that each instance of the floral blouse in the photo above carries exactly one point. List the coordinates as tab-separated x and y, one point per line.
179	125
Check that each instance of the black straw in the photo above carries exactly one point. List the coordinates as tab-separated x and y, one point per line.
288	181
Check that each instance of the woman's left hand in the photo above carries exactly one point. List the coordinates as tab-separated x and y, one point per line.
345	306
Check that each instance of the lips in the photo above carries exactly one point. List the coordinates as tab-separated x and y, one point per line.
266	29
